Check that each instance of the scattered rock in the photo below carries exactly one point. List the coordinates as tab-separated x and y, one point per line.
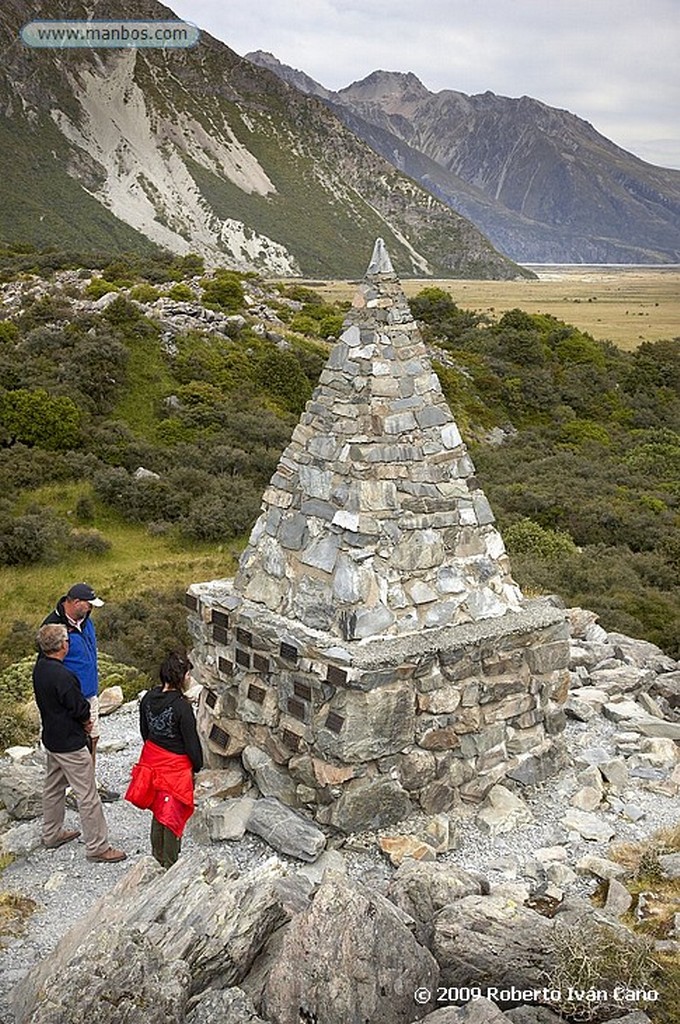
110	700
285	830
503	811
618	900
489	940
590	826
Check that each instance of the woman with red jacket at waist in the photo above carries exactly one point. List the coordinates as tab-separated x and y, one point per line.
163	778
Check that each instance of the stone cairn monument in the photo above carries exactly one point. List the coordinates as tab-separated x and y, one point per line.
373	656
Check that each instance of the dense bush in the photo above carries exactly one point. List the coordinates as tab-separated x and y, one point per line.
223	292
34	536
36	418
141	631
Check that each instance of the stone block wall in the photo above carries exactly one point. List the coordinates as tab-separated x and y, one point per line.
362	734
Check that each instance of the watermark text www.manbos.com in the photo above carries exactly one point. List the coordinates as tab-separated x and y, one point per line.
109	34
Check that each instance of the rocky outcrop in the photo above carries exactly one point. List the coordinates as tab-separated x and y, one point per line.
204	942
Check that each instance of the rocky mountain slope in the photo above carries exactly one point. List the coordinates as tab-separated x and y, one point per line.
199	150
540	182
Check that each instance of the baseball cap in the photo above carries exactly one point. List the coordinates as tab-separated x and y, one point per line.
84	592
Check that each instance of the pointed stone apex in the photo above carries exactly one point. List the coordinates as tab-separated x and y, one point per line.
380	260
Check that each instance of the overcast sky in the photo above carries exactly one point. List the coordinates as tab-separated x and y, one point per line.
612	62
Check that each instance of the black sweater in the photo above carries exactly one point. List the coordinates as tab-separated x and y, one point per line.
63	709
167	719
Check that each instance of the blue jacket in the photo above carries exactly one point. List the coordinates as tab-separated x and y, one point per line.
82	650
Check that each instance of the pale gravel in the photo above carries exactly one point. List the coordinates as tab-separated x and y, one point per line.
64	884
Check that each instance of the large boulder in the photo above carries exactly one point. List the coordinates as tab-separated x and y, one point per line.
421	890
491	941
21	787
350	957
201	919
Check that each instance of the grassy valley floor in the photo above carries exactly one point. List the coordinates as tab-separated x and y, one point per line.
624	305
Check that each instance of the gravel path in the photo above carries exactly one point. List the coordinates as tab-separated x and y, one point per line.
64	885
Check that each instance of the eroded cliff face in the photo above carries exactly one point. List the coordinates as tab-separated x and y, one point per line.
199	150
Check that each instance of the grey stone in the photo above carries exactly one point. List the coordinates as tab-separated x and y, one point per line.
368	804
590	826
23	839
601	867
350	937
151	941
618	900
615	773
622	711
322	553
489	940
227	1005
272	780
422	888
228	819
21	788
478	1011
285	830
532	1015
586	799
375	723
503	812
670	865
657	729
292	531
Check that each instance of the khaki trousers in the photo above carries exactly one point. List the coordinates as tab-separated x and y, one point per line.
75	769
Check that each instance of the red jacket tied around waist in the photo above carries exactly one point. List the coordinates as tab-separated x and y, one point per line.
163	783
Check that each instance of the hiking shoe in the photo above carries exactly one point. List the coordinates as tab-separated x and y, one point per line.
108	796
110	856
63	837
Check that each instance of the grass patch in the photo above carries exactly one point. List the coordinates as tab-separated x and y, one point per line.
136	561
625	306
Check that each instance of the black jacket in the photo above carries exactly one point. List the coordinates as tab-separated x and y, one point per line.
167	719
63	709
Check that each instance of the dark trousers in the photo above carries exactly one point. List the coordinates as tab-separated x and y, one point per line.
165	845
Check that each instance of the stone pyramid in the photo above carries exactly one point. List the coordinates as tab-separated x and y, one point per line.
374	522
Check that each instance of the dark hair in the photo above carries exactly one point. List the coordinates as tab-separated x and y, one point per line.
174	669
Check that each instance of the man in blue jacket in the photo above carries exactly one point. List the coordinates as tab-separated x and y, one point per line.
73	611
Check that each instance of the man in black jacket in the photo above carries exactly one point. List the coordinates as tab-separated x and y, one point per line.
65	716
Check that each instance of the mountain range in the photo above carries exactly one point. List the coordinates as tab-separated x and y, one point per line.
256	166
540	182
200	150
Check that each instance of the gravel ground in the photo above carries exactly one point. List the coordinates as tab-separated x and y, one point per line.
64	885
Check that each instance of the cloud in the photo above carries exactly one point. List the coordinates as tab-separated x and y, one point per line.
613	62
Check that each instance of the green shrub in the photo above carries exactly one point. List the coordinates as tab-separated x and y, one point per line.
143	630
30	538
181	292
9	332
90	542
36	418
144	293
280	375
529	538
98	287
223	292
